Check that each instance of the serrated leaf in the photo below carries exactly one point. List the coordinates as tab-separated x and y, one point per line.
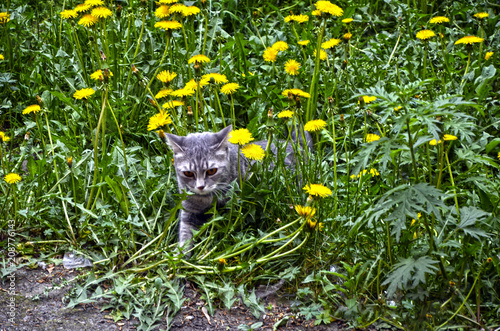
409	273
469	216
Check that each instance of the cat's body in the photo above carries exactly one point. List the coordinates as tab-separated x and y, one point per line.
206	164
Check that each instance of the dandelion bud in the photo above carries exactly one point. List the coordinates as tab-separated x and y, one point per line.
161	134
290	96
103	56
452	284
135	71
438	118
344	64
39	100
189	111
297	101
342	117
27	136
69	161
118	11
361	102
270	112
330	100
489	260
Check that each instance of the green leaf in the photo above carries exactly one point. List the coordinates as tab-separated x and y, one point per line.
408	273
469	216
120	192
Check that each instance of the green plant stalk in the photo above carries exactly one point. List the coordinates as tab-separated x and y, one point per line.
61	22
57	177
424	69
466	68
220	108
161	61
80	56
410	143
311	104
453	184
136	49
233	116
463	303
96	139
120	134
441	157
74	190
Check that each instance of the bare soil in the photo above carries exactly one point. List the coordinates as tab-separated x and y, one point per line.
39	305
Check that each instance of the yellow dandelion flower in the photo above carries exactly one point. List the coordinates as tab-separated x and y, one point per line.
177	8
294	92
250	73
167	2
159	120
368	99
4	137
69	13
322	55
318	190
433	142
370	137
488	55
222	261
98	75
329	8
270	54
398	108
280	46
82	8
200	58
1	57
94	3
285	114
305	211
12	178
489	260
88	20
192	85
347	20
330	43
183	92
229	88
498	155
240	137
101	12
374	172
425	34
297	18
448	137
314	125
316	12
253	152
166	76
292	67
31	109
347	36
163	93
4	17
303	42
190	11
172	104
214	77
481	15
168	25
469	40
162	11
439	20
84	93
312	223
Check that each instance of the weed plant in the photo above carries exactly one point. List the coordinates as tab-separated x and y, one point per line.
394	220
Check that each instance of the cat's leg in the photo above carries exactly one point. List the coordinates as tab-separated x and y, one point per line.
189	222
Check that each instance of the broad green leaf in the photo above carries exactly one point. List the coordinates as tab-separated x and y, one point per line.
408	273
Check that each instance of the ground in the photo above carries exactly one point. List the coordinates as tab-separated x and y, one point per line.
39	306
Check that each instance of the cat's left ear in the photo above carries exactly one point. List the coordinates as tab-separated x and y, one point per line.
175	143
221	137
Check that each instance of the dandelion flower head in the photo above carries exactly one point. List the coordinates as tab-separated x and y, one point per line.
425	34
368	99
167	2
31	109
285	114
229	88
433	142
4	137
101	12
166	76
347	20
159	120
303	42
190	11
253	152
240	137
163	93
82	8
371	137
330	43
280	46
94	3
297	18
488	55
2	57
172	104
295	92
481	15
318	190
439	20
69	13
469	40
347	36
448	137
183	92
84	93
162	11
305	211
88	20
314	125
329	8
4	17
177	8
322	55
168	25
12	178
292	67
98	75
199	58
214	77
270	54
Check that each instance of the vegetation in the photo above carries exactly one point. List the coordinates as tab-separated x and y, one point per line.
394	221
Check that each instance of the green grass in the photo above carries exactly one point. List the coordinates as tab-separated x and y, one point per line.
409	236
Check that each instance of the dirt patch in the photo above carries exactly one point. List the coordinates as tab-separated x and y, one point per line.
39	295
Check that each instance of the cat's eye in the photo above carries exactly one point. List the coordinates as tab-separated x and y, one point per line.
188	173
212	171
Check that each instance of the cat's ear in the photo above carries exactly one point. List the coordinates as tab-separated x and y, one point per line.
221	138
174	142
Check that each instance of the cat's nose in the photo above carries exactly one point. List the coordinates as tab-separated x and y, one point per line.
200	188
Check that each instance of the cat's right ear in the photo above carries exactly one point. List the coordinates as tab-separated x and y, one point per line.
174	142
222	137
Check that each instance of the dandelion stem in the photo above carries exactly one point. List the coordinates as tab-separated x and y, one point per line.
452	182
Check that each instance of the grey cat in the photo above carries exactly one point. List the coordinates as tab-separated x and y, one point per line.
206	164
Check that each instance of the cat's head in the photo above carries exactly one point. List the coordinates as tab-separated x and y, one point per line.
201	160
